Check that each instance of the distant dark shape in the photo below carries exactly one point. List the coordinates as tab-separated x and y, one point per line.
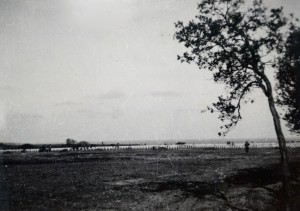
45	148
84	144
159	148
247	145
25	147
64	150
72	143
237	45
288	76
3	146
231	143
180	143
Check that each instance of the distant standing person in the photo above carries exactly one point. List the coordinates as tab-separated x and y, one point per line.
247	144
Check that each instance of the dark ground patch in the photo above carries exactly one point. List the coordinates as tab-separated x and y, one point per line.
198	189
86	180
262	176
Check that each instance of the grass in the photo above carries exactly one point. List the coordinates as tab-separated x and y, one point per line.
183	179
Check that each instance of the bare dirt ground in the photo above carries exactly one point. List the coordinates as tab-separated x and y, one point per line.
186	179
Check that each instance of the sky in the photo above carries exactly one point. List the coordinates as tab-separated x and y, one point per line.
107	71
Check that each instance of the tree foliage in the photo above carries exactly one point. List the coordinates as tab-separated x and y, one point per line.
70	142
288	77
237	44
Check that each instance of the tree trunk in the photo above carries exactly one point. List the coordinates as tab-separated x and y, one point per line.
282	148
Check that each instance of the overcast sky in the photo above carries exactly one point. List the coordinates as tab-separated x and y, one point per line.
107	70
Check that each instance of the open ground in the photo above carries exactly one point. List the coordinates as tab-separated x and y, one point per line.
181	179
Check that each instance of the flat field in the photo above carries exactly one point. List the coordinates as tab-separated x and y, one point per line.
181	179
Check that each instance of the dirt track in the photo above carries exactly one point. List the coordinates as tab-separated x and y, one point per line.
193	179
